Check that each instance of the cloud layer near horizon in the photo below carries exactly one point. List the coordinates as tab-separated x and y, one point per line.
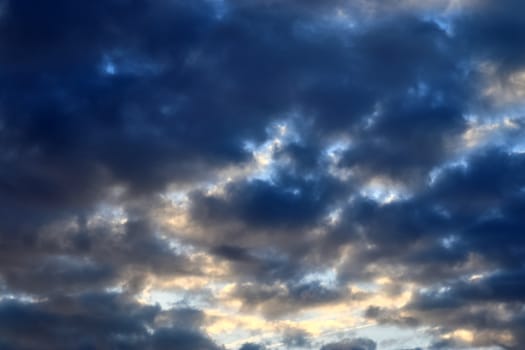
263	174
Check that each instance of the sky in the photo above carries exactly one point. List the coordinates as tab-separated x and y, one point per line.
262	175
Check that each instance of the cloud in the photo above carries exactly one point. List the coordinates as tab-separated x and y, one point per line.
277	300
352	344
251	346
287	202
296	338
91	321
293	157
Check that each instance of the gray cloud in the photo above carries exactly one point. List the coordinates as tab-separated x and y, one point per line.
351	344
107	106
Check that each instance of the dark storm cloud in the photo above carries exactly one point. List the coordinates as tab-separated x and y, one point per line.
422	88
480	205
490	177
304	156
75	126
484	200
506	286
91	321
256	214
286	202
72	260
398	146
107	103
57	273
387	109
265	266
176	70
79	129
494	32
474	206
165	339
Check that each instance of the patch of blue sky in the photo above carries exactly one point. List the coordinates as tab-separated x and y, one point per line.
176	197
519	149
394	338
337	147
177	246
436	172
334	216
369	287
280	133
22	298
109	68
449	241
504	131
326	278
444	22
108	213
333	152
172	298
167	299
383	193
114	289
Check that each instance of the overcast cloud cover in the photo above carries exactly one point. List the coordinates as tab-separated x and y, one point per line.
262	174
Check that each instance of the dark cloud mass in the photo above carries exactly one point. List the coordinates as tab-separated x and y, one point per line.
226	174
91	321
353	344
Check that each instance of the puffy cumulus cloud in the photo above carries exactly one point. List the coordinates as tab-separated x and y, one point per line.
269	173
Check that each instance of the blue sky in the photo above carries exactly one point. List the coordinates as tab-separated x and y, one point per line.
262	174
